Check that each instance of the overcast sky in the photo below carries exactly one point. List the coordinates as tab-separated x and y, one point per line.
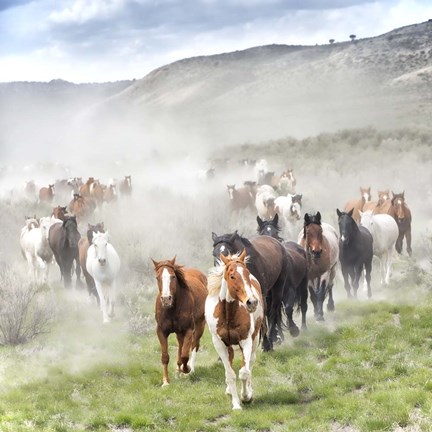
109	40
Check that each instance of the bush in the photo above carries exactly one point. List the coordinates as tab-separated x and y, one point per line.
25	310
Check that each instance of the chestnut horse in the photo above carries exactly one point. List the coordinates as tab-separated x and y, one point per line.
60	212
358	205
81	207
84	189
320	242
46	194
402	215
179	309
234	312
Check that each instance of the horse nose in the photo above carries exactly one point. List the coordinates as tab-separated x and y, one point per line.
102	261
251	304
317	253
166	301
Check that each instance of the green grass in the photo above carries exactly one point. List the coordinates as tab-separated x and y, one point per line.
363	369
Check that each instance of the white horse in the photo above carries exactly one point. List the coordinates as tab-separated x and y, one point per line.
35	247
264	202
384	232
289	209
103	264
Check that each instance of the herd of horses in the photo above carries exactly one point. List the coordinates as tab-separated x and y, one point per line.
256	284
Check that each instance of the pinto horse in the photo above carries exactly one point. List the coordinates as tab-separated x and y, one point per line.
269	264
179	309
83	246
355	252
357	205
63	238
296	288
402	215
320	242
234	312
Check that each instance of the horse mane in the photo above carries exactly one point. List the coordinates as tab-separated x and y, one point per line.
230	238
178	271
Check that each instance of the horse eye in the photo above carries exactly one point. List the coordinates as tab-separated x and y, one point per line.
232	277
172	276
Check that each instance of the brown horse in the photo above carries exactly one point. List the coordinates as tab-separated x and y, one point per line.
235	316
321	244
81	207
179	309
125	186
46	194
83	246
110	193
60	212
96	193
241	198
402	215
84	189
358	204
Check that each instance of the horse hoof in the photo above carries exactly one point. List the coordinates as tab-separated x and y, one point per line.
294	331
247	399
185	369
319	318
165	384
330	308
237	407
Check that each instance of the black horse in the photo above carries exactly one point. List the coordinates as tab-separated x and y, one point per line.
63	239
268	262
355	252
296	288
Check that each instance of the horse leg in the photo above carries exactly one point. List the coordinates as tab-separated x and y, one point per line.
346	280
399	243
163	341
198	332
313	296
320	299
185	351
389	262
356	280
267	342
245	373
330	283
103	302
368	269
303	300
288	303
78	283
226	355
408	241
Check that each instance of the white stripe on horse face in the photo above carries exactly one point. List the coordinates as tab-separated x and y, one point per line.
222	248
247	286
166	279
366	196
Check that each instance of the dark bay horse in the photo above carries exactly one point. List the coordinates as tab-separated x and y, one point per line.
296	288
179	309
402	215
63	239
83	245
320	243
268	262
355	252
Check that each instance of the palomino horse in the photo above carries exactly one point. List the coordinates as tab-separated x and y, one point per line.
63	238
265	202
83	246
356	252
35	248
103	265
384	232
296	288
179	309
125	186
234	312
241	198
402	215
320	242
46	194
269	264
60	212
289	207
287	183
357	205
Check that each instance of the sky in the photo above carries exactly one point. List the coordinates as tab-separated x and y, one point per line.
110	40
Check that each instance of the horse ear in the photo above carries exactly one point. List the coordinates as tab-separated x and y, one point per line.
338	212
393	194
307	218
350	213
276	219
155	263
260	221
173	260
403	194
214	236
318	217
224	259
242	255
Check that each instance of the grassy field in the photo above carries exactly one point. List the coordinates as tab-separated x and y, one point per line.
367	368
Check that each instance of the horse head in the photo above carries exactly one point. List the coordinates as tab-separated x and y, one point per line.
91	229
238	281
226	244
312	233
365	194
166	276
72	234
383	196
398	202
100	242
269	228
347	226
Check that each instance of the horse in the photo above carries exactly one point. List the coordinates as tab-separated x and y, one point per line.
75	183
63	238
46	194
384	232
379	206
103	265
296	288
35	248
84	189
265	202
268	263
402	215
96	193
287	183
30	189
83	246
81	206
289	207
125	186
358	205
234	311
179	309
60	212
240	199
320	243
110	193
355	252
